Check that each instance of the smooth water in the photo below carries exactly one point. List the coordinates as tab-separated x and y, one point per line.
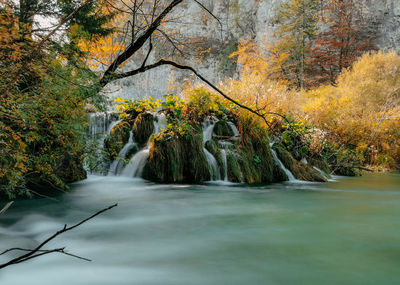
343	232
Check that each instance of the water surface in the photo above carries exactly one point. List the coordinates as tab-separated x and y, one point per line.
343	232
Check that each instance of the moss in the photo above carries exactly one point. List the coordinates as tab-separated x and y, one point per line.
212	147
299	169
258	165
143	128
222	129
177	159
116	140
234	172
321	164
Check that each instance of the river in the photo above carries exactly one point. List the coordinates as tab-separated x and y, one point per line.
342	232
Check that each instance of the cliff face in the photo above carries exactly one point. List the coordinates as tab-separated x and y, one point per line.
239	20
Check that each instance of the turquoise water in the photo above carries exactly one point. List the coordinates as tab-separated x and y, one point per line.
342	232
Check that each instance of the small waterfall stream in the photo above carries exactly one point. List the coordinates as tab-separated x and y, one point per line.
208	126
137	163
135	166
234	129
118	164
281	165
223	152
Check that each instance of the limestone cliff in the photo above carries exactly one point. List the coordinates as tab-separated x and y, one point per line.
239	20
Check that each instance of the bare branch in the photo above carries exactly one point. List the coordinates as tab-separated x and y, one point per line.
5	208
36	252
134	47
185	67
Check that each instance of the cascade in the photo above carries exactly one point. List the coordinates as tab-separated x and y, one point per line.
224	146
281	165
118	164
223	152
112	125
208	126
135	166
137	163
100	123
234	129
323	173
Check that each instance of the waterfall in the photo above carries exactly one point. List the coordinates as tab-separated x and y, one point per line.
208	126
234	129
137	163
281	165
100	123
118	164
160	124
323	173
112	125
223	152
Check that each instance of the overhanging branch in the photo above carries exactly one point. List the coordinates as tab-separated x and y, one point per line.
186	67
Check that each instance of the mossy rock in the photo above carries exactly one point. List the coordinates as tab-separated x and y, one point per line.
234	171
299	169
213	148
177	159
117	138
257	162
143	128
222	130
321	164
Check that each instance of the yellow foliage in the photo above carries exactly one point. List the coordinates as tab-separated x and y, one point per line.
364	109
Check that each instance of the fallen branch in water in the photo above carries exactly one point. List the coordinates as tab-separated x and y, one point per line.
5	208
38	251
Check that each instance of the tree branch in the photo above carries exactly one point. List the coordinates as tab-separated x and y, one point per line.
38	251
5	208
135	46
185	67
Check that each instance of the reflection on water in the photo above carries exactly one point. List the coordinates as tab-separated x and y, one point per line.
343	232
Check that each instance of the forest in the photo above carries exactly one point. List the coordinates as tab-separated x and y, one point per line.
314	101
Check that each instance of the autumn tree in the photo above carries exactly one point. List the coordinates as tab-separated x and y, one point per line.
346	38
43	92
296	30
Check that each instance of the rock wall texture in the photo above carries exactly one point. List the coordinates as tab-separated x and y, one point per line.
239	20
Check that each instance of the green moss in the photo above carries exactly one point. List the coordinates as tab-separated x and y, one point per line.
143	128
321	164
258	165
234	172
222	129
116	140
177	159
299	169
